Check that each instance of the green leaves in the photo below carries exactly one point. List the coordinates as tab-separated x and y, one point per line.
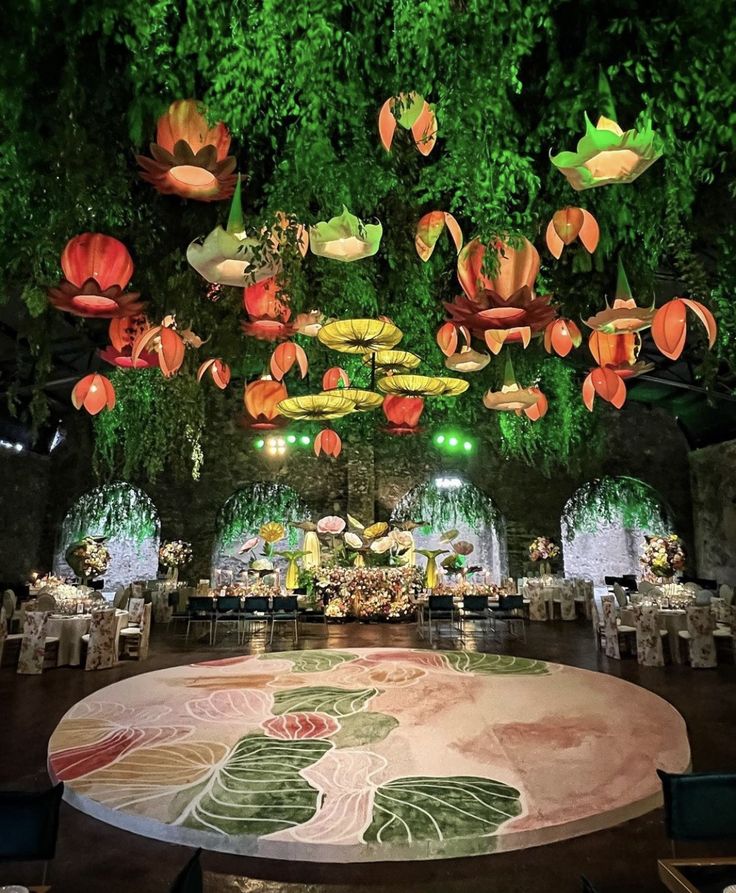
311	661
322	699
494	664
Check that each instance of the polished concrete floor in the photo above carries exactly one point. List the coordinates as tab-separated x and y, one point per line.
92	856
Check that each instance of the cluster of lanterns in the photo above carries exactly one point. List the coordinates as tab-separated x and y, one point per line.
495	309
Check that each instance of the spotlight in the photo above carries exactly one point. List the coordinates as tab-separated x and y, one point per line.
259	444
305	440
440	438
276	446
467	446
452	441
448	483
291	438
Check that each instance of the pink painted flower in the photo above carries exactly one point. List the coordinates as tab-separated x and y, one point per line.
291	726
330	524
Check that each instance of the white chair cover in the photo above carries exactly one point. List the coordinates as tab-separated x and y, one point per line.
610	627
101	650
649	651
33	645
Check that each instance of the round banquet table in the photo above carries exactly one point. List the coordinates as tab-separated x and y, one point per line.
671	619
69	629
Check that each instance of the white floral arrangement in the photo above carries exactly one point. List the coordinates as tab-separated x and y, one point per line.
542	548
663	556
89	557
175	553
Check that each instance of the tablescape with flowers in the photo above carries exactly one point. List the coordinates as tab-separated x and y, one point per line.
663	557
68	598
173	555
543	551
88	558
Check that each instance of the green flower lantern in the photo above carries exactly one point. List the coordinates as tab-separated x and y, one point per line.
345	238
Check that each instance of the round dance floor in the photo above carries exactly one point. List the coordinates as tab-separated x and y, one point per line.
367	754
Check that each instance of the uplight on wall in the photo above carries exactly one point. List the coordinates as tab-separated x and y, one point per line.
276	445
453	442
448	483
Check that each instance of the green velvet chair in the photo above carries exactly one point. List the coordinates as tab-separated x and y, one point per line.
29	822
189	879
699	805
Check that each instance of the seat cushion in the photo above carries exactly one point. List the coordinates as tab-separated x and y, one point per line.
723	632
51	640
683	634
130	631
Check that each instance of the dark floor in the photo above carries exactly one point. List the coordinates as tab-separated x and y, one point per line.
92	856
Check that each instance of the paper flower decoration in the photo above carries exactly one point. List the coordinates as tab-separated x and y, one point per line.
335	377
431	572
165	343
308	324
331	524
498	320
189	158
618	353
388	361
412	385
285	356
122	332
374	531
345	238
219	372
403	414
625	316
411	112
261	398
512	396
272	532
606	384
353	541
569	224
363	401
537	410
516	268
447	337
669	327
316	407
359	335
328	442
606	155
561	336
94	393
429	229
268	311
468	360
96	268
230	256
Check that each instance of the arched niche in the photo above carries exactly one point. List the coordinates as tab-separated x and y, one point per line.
242	516
449	502
604	524
127	517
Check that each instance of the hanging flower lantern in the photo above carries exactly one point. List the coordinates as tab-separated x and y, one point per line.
268	310
606	384
190	158
96	268
403	414
122	332
561	336
308	324
569	224
608	155
166	343
429	229
453	387
669	327
261	398
364	401
411	385
335	377
468	360
619	353
512	396
219	371
359	336
345	238
285	356
93	392
392	361
316	407
498	321
517	268
537	410
625	316
447	337
328	442
409	111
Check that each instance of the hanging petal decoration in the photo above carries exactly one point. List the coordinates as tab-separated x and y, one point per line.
570	224
328	442
345	238
669	327
604	383
285	356
430	228
93	392
219	372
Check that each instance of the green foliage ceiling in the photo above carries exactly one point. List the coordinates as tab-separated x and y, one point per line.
300	86
625	501
116	509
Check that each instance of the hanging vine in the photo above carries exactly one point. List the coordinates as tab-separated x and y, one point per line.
247	510
441	508
112	510
620	500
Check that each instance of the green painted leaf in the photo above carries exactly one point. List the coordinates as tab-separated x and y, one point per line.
494	664
259	789
413	809
311	661
364	728
322	699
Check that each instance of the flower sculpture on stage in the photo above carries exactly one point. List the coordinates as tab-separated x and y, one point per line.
345	238
93	392
606	154
89	558
262	398
430	228
190	158
569	224
123	332
431	571
272	532
331	524
412	112
97	269
663	556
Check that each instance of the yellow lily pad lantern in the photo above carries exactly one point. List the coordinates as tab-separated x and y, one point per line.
363	401
360	336
316	407
412	385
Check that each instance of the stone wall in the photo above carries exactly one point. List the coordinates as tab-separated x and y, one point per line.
713	476
24	479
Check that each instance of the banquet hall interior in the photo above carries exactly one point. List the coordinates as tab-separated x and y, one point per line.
368	446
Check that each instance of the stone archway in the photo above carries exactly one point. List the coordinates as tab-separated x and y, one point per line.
450	502
127	517
604	524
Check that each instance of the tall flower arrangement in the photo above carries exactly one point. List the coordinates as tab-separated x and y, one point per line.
89	557
543	550
663	556
173	555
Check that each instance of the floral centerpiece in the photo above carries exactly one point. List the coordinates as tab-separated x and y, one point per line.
88	558
174	554
663	556
543	550
70	599
381	593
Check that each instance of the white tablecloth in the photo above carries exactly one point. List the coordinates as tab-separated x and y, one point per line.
69	629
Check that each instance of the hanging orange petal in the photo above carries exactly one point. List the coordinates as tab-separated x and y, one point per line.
284	357
669	327
539	409
219	371
447	338
335	377
328	442
93	392
424	130
613	350
561	336
604	383
429	230
387	124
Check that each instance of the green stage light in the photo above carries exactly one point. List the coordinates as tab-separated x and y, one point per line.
467	446
258	444
440	438
291	438
452	441
304	439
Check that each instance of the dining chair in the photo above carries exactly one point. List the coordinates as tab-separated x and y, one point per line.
189	879
701	644
227	611
200	609
699	806
134	639
46	603
285	609
511	612
33	658
100	640
10	602
649	650
619	593
537	603
614	631
598	626
29	824
255	614
439	608
567	602
474	610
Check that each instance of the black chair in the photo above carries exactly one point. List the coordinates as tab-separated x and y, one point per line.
200	610
699	806
511	612
227	610
475	609
189	879
256	611
629	582
439	608
285	609
29	823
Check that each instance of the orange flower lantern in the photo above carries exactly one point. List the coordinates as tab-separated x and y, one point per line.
335	377
447	337
619	353
166	343
411	112
570	224
269	312
328	442
93	392
190	158
97	268
122	332
517	267
625	316
606	384
261	398
402	414
219	371
561	336
468	360
429	230
669	327
537	410
285	356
